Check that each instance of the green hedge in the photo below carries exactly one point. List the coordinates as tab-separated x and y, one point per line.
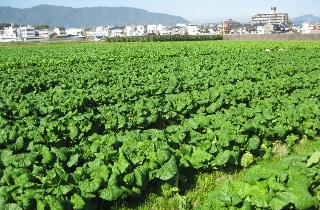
164	38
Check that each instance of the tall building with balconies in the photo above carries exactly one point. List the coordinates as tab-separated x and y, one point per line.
272	17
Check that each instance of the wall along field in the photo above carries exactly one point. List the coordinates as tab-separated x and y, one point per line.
83	125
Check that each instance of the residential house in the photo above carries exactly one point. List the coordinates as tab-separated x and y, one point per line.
45	32
74	32
157	29
178	30
141	30
130	30
310	28
116	31
316	28
193	30
226	26
102	31
152	29
8	34
27	33
60	31
91	32
258	28
135	30
164	30
210	29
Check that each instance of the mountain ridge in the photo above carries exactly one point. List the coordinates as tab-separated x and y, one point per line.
305	18
85	16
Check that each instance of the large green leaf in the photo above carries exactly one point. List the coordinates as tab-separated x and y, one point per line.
199	158
222	157
260	201
111	193
12	206
302	199
314	159
90	185
73	160
61	153
73	131
253	143
129	178
123	164
191	123
47	155
168	170
21	160
60	171
55	203
63	189
77	201
3	198
277	203
6	157
18	144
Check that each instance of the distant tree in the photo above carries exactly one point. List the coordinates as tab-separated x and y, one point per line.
206	30
41	27
4	25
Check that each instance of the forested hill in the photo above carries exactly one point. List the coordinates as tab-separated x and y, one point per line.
305	18
85	17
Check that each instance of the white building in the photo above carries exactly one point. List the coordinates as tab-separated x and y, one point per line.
141	30
163	30
193	30
8	34
102	31
26	31
307	27
99	31
272	17
91	32
74	32
116	31
134	30
130	30
178	30
260	29
157	29
152	29
61	31
45	32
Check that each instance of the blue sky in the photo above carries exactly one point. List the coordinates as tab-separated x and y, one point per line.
192	10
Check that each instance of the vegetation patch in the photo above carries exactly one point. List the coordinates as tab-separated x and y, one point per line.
85	126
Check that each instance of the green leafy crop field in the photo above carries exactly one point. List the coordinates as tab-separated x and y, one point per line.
85	125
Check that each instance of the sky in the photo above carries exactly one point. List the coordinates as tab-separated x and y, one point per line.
195	11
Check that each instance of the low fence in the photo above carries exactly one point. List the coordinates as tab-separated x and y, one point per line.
273	37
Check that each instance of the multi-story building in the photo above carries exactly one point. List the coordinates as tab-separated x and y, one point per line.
102	31
46	32
26	31
272	17
8	34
